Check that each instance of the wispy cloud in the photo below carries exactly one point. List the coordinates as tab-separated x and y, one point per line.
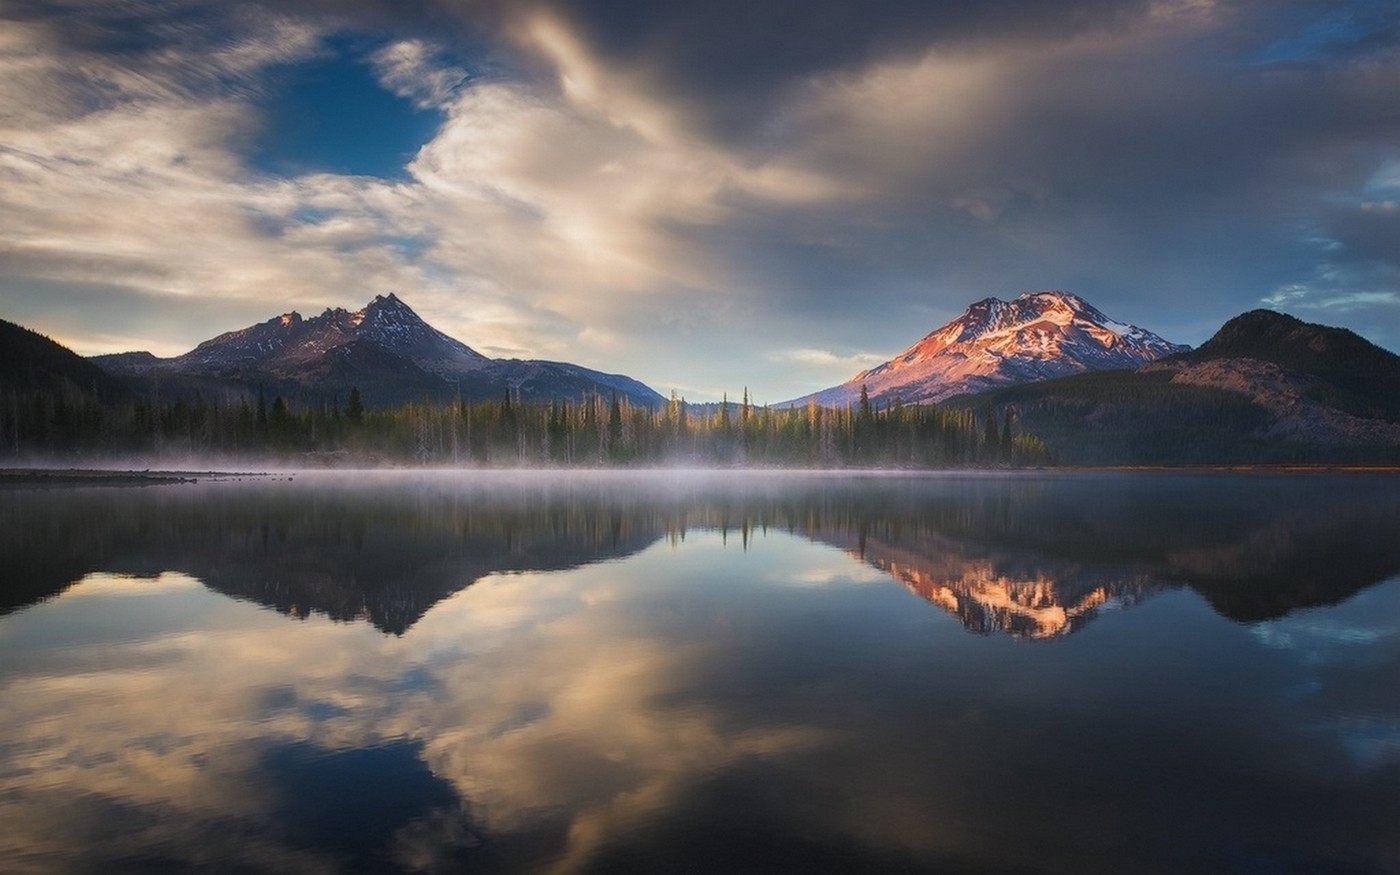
414	70
829	359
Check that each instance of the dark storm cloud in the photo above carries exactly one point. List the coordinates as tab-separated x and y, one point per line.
1122	164
734	61
732	58
1162	177
1199	110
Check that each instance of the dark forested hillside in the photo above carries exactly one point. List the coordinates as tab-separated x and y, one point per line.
49	395
1267	388
1132	418
1352	373
31	362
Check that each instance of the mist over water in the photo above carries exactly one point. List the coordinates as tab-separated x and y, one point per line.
703	671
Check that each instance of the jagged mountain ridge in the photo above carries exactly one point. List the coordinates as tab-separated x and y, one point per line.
1036	336
289	341
385	349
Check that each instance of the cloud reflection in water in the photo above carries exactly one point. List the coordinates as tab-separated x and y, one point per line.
572	690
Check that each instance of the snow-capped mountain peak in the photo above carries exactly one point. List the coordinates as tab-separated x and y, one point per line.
1035	336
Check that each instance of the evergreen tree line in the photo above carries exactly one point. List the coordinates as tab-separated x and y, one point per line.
595	432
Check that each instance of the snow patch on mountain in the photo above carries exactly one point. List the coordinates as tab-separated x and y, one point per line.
1036	336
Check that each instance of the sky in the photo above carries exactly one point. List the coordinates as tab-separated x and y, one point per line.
702	195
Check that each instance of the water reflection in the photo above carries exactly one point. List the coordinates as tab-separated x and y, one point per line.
993	591
595	677
1032	556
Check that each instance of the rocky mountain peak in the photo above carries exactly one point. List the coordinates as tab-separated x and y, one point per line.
388	307
385	349
993	314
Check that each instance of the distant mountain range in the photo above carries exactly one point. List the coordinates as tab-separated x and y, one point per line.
1037	336
1267	388
385	350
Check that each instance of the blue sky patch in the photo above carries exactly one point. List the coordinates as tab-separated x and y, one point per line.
1335	33
330	114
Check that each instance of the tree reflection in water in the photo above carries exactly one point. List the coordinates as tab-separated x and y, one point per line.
1031	555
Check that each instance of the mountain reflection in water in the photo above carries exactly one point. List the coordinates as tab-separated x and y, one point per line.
999	593
1032	556
714	672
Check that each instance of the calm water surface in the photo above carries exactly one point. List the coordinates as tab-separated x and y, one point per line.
727	672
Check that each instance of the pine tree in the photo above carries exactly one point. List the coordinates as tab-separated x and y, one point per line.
614	427
354	407
1007	440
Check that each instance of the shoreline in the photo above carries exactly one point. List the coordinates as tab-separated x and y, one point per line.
116	477
127	477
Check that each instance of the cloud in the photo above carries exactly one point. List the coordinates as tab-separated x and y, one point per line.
639	191
1324	296
826	358
1356	274
177	721
412	70
1354	300
528	209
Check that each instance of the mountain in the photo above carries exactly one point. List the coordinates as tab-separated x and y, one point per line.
385	350
292	344
1037	336
32	363
1266	388
1340	368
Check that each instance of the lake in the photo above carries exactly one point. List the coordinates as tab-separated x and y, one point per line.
703	672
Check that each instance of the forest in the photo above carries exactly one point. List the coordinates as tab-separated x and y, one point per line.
598	431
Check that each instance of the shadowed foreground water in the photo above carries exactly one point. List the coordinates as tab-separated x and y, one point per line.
729	672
